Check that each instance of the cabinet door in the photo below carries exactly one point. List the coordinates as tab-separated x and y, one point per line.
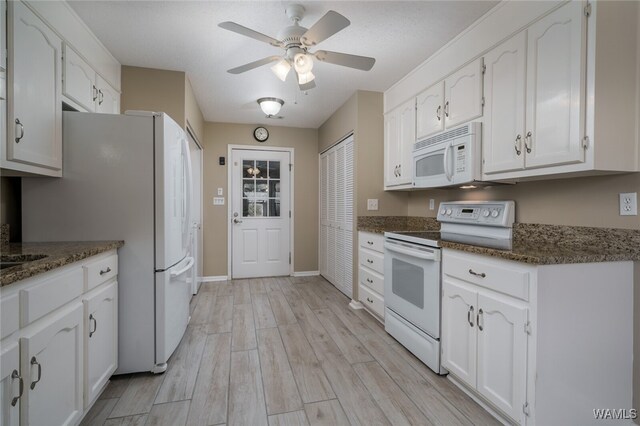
35	103
429	113
108	101
51	362
407	138
78	80
459	308
101	339
391	148
504	83
463	95
555	87
502	352
10	384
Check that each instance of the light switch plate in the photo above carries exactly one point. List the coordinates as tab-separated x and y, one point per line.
432	204
372	204
220	191
218	201
629	204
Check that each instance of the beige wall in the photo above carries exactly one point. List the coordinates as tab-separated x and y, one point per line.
340	124
305	143
153	90
192	113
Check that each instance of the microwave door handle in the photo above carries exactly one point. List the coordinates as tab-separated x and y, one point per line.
417	253
447	173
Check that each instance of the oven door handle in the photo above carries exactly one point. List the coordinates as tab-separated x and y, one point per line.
447	173
413	253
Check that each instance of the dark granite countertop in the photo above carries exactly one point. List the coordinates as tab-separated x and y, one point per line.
382	224
56	254
539	244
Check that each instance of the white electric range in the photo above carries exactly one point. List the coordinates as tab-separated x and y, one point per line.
412	272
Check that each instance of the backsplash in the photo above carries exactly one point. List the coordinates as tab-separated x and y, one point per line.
397	223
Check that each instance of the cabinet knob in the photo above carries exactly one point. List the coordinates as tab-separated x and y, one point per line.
34	361
18	123
16	375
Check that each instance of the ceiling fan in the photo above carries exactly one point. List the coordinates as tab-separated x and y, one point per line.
296	40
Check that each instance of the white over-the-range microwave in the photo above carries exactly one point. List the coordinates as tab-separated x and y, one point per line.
451	158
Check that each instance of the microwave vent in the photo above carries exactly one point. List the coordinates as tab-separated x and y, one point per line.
445	136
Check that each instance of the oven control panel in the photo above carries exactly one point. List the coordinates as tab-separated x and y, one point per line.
491	213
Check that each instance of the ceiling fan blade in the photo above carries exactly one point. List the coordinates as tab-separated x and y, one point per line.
328	25
237	28
308	86
254	64
363	63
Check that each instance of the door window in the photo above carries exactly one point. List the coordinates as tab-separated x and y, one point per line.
408	282
260	188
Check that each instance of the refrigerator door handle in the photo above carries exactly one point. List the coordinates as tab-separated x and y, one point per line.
189	179
188	266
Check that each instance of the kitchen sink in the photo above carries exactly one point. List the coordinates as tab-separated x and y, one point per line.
11	260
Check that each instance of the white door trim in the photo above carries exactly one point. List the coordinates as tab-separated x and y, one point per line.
230	149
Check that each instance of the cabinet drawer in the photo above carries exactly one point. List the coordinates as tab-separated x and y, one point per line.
50	294
372	300
9	314
100	271
372	241
502	276
372	260
371	279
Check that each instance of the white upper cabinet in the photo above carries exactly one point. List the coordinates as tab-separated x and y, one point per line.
34	142
504	114
108	98
463	94
78	79
399	137
430	111
555	87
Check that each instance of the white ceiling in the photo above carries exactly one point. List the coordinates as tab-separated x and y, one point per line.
184	36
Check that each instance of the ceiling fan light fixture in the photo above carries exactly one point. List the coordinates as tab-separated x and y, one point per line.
270	106
281	69
303	63
306	78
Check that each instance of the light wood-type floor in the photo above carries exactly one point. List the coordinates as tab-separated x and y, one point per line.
285	351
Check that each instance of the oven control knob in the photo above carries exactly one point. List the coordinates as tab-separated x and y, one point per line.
448	212
495	213
485	213
443	211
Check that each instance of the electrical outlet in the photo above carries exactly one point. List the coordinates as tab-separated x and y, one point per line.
218	201
219	191
372	204
629	204
432	204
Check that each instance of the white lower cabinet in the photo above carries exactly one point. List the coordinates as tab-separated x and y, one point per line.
371	272
11	384
101	332
515	336
51	362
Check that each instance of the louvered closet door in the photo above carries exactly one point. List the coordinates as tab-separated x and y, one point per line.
336	216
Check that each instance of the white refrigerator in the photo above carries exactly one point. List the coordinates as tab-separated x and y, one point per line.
126	177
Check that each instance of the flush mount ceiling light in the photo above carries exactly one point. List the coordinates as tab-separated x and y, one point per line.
296	40
270	106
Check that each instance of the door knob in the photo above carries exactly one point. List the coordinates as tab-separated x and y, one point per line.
237	221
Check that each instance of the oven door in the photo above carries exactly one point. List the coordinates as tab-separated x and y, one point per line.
412	284
432	166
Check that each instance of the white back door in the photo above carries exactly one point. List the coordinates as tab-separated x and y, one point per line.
260	222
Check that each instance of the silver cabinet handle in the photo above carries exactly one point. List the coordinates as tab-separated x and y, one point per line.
528	142
369	261
400	170
480	315
105	271
101	97
370	243
18	123
237	221
95	93
518	145
369	300
95	324
470	316
369	280
34	361
16	375
446	109
438	112
476	274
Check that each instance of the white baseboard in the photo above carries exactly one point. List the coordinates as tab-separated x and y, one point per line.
354	304
306	274
213	278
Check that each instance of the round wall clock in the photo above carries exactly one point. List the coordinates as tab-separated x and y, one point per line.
261	134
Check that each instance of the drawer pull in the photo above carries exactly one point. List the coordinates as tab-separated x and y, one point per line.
34	361
105	271
16	375
95	324
369	261
18	123
369	300
470	316
369	280
480	315
476	274
370	243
